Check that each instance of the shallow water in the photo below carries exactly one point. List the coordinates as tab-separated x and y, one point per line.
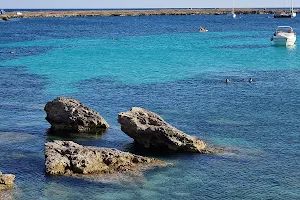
164	64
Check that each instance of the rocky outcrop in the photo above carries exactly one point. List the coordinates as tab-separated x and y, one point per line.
67	158
151	131
6	181
90	13
69	115
5	18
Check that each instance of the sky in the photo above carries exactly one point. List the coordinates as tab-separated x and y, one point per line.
145	3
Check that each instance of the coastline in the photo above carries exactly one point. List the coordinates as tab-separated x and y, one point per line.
92	13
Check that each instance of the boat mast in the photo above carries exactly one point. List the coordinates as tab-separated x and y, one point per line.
233	1
292	6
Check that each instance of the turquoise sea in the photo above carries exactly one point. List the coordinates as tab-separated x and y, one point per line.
164	64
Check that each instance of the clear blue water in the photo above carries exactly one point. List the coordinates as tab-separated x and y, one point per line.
164	64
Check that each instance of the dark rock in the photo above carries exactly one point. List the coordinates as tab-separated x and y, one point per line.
151	131
69	115
5	18
67	158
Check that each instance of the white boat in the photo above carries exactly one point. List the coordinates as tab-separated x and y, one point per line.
292	10
290	14
284	36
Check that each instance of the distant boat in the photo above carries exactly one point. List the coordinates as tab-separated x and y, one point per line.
232	12
290	14
2	12
284	36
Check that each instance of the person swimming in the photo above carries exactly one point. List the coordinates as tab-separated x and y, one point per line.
203	29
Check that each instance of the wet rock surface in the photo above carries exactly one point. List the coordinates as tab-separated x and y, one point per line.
70	158
151	131
69	115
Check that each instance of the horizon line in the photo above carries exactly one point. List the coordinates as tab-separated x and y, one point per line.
159	8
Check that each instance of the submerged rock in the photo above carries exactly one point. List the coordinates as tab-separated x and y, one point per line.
151	131
6	181
67	158
69	115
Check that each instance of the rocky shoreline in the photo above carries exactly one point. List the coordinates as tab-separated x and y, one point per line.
91	13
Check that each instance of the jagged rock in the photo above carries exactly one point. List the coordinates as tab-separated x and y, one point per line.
151	131
67	158
69	115
6	181
5	18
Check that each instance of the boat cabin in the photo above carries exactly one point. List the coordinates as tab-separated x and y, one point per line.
284	29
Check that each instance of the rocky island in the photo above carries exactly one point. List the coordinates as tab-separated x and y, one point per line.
67	115
70	158
151	131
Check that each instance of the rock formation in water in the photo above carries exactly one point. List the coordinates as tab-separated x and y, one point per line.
5	18
151	131
67	158
69	115
6	181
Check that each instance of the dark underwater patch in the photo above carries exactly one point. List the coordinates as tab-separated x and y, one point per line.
9	53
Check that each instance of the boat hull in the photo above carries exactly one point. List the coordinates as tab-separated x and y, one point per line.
283	41
283	16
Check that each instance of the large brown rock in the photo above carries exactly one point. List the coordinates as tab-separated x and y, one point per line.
6	181
67	158
69	115
151	131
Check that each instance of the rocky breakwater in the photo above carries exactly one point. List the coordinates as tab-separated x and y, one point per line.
6	181
5	18
69	158
69	115
151	131
94	13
